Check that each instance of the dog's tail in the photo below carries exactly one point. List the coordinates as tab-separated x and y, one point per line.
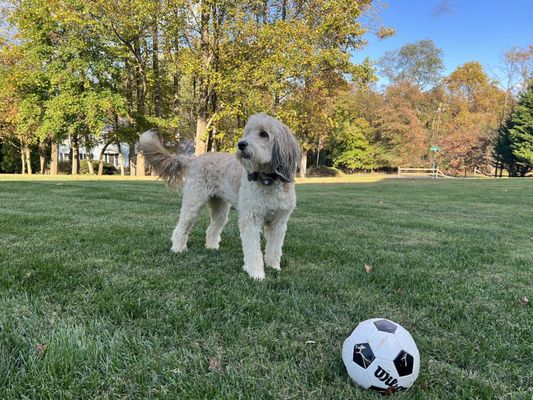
170	167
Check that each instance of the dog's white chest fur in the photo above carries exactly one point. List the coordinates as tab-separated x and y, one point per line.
266	201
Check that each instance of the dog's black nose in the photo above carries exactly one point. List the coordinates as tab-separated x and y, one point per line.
242	144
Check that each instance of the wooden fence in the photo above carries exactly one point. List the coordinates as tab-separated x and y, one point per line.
431	172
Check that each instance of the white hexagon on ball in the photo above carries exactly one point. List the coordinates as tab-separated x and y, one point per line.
380	354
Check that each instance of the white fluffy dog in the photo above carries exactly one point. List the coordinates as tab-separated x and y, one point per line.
258	181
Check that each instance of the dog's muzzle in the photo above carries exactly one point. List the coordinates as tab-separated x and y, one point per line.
242	145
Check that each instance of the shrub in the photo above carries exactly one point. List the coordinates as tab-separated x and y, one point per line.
109	169
63	167
10	159
323	171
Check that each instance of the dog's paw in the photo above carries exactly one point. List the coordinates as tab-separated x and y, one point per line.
256	275
212	246
178	249
271	263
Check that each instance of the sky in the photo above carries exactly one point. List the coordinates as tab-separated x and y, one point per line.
466	30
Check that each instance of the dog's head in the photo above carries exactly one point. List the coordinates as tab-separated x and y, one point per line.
268	146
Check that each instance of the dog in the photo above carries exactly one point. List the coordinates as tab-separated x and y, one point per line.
258	181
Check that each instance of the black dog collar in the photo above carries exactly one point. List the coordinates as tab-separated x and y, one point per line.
265	179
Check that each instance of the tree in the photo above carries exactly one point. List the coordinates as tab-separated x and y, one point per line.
22	95
471	87
351	146
517	71
193	68
473	105
268	56
519	62
403	125
62	80
419	63
129	27
515	142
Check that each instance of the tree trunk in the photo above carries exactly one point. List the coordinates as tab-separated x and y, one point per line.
23	160
303	165
88	144
140	79
213	101
42	163
176	90
203	96
212	132
54	158
155	68
276	100
141	84
42	158
201	133
90	162
212	144
141	165
101	159
75	155
131	156
128	68
27	156
176	74
120	159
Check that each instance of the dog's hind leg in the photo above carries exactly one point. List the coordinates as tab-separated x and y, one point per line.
190	207
218	211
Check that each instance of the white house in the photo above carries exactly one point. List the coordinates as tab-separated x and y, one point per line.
111	154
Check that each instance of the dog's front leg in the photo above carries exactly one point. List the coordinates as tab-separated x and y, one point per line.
275	235
250	229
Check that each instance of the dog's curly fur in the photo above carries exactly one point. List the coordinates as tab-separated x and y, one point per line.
221	180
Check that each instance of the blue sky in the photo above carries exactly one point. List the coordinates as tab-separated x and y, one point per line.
466	30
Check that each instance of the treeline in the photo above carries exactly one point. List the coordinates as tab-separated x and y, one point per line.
101	72
196	69
462	122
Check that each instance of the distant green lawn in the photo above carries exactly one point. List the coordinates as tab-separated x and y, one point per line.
93	305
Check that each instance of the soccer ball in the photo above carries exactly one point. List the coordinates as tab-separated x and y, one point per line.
380	354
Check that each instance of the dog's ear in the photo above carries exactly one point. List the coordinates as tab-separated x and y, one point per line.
285	154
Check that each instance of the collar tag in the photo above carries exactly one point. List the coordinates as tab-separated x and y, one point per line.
266	180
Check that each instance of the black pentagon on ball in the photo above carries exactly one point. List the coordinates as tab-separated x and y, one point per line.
385	326
363	355
404	363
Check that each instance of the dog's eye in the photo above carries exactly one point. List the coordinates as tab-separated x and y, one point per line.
263	134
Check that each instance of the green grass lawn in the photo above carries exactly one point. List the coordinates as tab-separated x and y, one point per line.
94	305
